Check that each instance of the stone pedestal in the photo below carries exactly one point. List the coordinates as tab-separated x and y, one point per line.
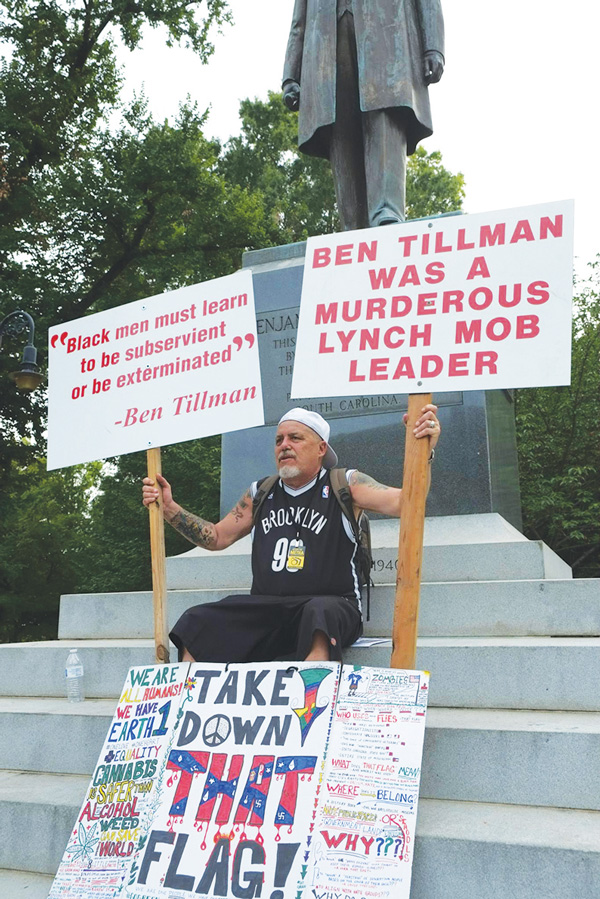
476	464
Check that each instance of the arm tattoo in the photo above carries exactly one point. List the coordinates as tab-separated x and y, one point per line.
240	506
357	477
194	529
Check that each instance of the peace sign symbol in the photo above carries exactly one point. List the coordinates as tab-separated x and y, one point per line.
216	730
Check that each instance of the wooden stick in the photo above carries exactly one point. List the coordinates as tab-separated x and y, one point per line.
159	576
410	550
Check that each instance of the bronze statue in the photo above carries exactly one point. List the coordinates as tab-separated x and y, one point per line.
358	71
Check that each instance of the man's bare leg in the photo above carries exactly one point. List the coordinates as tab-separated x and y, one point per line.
319	650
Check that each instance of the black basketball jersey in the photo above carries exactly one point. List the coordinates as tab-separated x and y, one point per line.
303	544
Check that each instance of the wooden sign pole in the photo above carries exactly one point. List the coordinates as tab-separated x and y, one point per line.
159	576
410	550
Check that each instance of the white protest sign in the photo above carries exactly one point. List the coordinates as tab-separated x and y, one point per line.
471	302
244	775
158	371
366	817
119	803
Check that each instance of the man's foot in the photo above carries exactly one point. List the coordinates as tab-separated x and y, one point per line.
387	220
319	651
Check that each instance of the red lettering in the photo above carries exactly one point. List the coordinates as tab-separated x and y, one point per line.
439	243
461	245
369	338
489	237
479	268
452	298
522	232
321	257
547	225
378	371
426	303
323	348
409	276
486	360
424	335
326	314
399	310
527	326
503	299
431	366
487	294
382	278
225	788
345	339
435	272
343	254
467	332
407	241
333	841
539	291
491	329
367	251
457	364
355	314
391	332
405	369
353	374
375	305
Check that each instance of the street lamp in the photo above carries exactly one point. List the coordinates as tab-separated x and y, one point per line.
28	377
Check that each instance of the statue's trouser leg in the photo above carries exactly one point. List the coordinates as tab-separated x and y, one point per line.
385	165
346	153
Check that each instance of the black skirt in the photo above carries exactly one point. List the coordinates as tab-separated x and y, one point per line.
265	628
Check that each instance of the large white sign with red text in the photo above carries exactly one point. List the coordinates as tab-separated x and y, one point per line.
169	368
467	302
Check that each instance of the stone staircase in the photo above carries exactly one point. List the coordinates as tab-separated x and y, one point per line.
510	794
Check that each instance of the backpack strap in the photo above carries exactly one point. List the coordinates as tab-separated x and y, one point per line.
343	494
339	482
263	488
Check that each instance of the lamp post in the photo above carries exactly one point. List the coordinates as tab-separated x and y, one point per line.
28	376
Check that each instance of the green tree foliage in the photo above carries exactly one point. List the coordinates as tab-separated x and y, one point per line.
558	439
83	204
119	530
101	205
44	544
297	190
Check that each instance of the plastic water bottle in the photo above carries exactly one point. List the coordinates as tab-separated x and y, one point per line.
74	677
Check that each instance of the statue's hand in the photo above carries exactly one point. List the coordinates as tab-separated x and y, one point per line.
291	95
433	66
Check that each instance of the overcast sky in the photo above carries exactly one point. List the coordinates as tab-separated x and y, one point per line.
516	110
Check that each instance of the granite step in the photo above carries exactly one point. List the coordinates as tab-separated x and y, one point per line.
517	560
52	735
44	805
553	673
482	755
470	850
24	884
513	608
463	849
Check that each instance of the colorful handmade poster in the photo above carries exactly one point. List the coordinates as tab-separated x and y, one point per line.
119	803
365	822
242	782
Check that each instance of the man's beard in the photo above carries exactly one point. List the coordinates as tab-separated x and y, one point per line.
289	470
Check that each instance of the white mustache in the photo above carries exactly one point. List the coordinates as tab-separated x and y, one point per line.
286	455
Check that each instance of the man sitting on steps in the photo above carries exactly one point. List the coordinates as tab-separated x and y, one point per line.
305	596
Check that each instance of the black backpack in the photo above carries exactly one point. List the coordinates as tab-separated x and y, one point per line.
361	527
